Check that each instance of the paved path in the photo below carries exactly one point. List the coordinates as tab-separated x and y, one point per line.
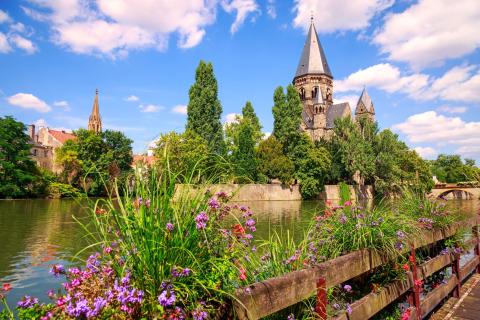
467	307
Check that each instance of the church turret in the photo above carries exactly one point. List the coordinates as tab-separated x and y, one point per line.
95	121
365	107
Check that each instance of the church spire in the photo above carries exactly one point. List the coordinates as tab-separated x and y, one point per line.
95	121
365	106
313	59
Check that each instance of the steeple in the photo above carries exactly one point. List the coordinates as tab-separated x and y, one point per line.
95	121
365	106
313	60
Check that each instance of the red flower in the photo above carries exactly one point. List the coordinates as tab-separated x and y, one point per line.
418	283
6	287
243	275
238	230
100	211
406	315
411	259
406	267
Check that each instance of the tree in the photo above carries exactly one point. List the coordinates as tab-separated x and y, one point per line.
244	154
121	147
17	171
287	113
272	163
204	109
248	114
451	169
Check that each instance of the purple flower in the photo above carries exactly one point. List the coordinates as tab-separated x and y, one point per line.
201	220
57	269
167	298
213	203
400	234
381	219
374	223
107	250
343	219
27	302
348	308
170	226
399	245
360	216
199	314
445	251
186	272
347	288
291	317
147	203
336	306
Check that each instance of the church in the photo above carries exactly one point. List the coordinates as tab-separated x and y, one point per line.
314	83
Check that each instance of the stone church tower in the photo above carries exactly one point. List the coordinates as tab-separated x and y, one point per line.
364	107
314	83
95	121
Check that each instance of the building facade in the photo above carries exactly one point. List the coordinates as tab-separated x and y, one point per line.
314	83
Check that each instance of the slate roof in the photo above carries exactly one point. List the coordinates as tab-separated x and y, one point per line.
61	135
366	100
313	59
336	111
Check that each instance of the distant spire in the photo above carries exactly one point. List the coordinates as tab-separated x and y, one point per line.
313	59
366	102
95	121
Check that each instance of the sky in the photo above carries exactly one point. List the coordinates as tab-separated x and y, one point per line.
419	60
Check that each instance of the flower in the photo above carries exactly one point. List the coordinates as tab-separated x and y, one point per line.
243	275
6	287
348	308
147	203
406	267
445	251
336	306
199	314
213	203
399	245
347	288
406	315
167	298
347	203
343	219
57	269
107	250
418	283
238	230
201	220
400	234
169	226
291	317
27	302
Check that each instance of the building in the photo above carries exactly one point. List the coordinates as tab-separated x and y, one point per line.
44	146
95	121
314	83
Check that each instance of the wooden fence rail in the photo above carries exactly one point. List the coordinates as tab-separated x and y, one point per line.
272	295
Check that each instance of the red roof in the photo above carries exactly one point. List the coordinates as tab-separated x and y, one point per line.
142	159
62	136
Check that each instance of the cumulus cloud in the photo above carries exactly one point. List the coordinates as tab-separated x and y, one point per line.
450	109
132	98
243	9
180	109
63	104
4	45
232	118
351	99
334	15
426	152
150	108
430	32
271	9
41	123
23	43
115	27
431	127
28	101
4	17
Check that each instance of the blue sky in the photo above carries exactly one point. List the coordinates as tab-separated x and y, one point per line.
418	59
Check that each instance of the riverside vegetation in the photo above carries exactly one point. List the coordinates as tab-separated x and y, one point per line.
165	255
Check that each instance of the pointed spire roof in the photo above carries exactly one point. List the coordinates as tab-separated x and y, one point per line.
313	60
95	121
366	101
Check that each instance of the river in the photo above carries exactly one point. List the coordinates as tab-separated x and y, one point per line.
35	234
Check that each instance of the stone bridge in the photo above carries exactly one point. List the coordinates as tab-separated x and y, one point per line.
454	191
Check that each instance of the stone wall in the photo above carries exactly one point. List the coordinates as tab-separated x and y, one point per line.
331	192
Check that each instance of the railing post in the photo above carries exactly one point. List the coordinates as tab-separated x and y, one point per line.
416	289
456	271
321	305
476	235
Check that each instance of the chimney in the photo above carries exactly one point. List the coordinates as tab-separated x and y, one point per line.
31	131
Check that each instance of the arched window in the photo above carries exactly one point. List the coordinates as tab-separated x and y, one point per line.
302	93
314	92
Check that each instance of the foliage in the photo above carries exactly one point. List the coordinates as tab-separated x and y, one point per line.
204	109
248	113
451	168
244	155
61	190
344	192
272	163
18	172
93	161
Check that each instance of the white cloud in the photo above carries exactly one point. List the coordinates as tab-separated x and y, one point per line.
23	43
181	109
41	123
132	98
243	9
431	127
351	99
450	109
431	31
271	10
232	117
4	17
18	27
4	45
333	15
426	152
63	104
150	108
28	101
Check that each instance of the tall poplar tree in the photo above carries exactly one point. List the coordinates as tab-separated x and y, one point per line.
244	155
248	113
204	109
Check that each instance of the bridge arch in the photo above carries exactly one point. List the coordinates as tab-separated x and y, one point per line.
456	194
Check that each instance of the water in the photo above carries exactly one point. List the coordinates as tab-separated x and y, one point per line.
35	234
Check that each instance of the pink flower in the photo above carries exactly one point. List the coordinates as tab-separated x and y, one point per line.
243	275
6	287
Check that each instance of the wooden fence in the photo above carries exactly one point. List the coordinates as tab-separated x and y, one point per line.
272	295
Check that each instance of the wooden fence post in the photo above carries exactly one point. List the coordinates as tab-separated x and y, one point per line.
456	271
416	289
321	305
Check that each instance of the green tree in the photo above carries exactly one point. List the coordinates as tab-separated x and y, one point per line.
451	169
272	163
17	171
244	155
248	113
204	109
121	147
